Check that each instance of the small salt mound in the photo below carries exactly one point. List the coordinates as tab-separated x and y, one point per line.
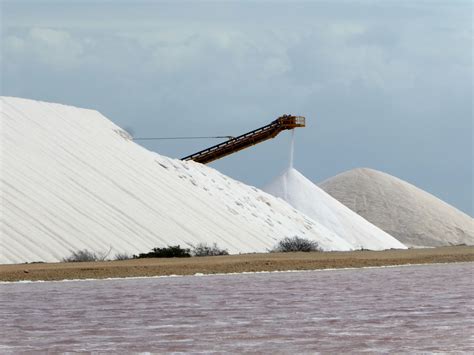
410	214
308	198
70	179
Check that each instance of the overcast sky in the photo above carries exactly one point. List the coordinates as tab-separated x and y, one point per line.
383	84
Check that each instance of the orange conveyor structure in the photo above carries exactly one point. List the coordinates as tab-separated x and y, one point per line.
249	139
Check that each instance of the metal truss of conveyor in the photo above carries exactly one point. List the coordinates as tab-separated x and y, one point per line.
249	139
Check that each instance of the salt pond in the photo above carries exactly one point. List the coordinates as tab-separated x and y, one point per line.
402	309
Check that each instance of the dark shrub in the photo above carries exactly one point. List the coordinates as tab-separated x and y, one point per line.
202	249
168	252
122	256
296	244
84	255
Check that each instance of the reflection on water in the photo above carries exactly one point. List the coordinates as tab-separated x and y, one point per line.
406	309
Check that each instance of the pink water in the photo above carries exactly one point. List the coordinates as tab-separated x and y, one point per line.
405	309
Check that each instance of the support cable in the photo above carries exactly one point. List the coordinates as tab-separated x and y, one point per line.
168	138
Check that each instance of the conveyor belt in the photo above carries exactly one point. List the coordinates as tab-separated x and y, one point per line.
249	139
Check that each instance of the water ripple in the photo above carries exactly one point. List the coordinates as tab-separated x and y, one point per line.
409	309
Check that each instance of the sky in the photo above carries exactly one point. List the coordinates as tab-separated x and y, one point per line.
383	84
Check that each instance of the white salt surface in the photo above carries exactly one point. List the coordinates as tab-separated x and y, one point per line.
71	180
308	198
411	215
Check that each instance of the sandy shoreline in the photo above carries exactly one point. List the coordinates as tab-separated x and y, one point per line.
233	264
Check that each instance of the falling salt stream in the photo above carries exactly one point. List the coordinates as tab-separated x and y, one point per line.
292	148
292	154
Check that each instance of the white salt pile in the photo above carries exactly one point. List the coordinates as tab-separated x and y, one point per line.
308	198
72	180
411	215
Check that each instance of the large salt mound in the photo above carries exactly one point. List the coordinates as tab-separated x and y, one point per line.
411	215
308	198
71	180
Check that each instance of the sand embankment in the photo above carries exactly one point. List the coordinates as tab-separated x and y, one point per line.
234	263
